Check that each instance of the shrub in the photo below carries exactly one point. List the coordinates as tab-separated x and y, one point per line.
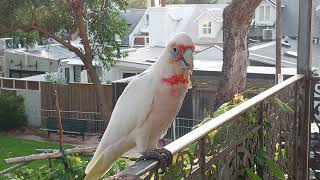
12	111
76	167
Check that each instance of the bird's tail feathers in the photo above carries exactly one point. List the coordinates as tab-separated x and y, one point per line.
103	161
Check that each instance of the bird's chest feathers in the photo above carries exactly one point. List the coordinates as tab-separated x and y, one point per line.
177	84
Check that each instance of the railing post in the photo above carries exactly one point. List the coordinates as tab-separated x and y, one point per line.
202	158
304	67
174	128
260	168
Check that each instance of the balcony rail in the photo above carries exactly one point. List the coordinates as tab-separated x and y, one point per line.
226	146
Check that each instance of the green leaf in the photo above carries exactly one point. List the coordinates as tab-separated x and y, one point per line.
250	173
275	169
261	157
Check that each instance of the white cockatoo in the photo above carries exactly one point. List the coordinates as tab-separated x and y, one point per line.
147	106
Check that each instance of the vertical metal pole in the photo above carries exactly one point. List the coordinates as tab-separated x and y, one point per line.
278	42
174	129
260	169
304	67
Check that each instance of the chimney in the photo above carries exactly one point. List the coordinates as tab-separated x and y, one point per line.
163	3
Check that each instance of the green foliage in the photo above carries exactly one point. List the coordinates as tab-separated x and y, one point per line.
54	79
15	147
282	106
252	175
217	137
275	169
118	165
75	170
263	159
106	27
12	111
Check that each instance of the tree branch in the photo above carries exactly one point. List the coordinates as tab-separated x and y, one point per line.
56	154
78	9
53	36
14	167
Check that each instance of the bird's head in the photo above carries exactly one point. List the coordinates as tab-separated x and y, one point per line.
180	50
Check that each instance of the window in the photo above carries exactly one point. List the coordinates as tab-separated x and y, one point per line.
147	40
67	75
261	13
129	74
206	29
77	73
265	13
268	13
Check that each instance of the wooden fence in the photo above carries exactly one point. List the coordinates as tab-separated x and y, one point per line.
11	83
74	97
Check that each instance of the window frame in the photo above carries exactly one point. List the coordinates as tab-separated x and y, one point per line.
263	10
205	26
129	72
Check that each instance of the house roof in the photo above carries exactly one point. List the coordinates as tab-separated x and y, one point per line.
54	52
254	70
132	16
149	55
177	18
40	77
266	53
215	13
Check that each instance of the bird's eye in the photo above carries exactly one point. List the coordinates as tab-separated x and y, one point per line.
174	52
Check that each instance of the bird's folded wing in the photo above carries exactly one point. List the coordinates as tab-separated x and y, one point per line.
129	112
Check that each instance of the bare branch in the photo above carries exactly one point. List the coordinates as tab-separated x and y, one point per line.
53	155
14	167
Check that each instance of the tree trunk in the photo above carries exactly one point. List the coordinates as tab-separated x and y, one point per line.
78	7
101	97
236	23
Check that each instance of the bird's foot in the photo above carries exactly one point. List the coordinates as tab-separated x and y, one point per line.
162	155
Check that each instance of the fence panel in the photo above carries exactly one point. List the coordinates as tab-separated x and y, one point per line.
95	124
74	97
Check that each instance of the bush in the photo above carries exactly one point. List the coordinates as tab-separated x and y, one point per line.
12	111
75	170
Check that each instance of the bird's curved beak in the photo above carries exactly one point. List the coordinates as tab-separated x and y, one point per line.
188	58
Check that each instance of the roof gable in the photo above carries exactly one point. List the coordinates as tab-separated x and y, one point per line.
215	13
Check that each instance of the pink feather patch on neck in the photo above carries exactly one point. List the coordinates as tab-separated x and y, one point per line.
176	79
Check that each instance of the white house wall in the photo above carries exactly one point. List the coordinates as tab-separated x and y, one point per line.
158	28
43	64
273	14
115	73
166	22
196	28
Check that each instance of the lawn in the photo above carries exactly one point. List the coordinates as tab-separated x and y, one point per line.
13	147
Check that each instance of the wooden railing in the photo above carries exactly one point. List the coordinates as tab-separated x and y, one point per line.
228	145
